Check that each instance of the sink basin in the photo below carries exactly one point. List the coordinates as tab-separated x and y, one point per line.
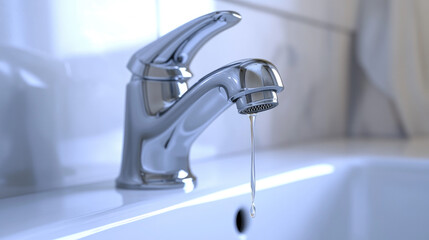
302	193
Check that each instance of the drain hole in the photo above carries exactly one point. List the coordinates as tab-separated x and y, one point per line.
241	221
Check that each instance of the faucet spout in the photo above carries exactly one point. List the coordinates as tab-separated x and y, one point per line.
163	117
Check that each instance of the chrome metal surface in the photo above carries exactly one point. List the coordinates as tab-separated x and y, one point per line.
163	117
168	58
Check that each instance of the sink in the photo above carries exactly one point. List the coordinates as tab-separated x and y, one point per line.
302	193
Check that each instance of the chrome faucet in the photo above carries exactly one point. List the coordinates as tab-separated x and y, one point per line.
163	117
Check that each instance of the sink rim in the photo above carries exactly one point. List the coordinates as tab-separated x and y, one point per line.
216	175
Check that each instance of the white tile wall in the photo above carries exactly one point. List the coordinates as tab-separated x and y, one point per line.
63	77
338	14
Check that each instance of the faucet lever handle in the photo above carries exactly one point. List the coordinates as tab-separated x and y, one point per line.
168	57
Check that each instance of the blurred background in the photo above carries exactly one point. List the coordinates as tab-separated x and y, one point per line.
352	69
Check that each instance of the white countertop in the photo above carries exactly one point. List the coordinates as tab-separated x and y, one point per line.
96	204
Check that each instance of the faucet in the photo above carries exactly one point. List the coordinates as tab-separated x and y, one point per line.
163	116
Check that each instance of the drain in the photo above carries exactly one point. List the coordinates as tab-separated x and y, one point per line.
241	220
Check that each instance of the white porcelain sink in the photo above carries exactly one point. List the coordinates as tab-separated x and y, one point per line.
302	193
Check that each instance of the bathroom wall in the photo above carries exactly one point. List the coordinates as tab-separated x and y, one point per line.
63	77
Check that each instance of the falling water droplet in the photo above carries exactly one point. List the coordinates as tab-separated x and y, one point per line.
253	210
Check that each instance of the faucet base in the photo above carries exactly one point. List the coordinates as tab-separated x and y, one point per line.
188	183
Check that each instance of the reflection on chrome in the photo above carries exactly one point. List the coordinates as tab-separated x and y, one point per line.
262	184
